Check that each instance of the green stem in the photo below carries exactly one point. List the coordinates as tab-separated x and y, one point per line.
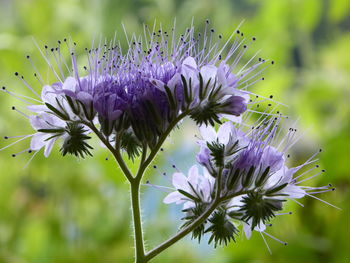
115	152
140	256
185	231
138	235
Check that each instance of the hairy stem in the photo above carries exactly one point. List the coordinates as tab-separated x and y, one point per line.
185	231
138	235
115	152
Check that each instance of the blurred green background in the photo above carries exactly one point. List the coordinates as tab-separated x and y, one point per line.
67	210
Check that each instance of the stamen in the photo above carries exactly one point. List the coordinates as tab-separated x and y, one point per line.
324	191
281	214
161	188
309	178
23	151
275	238
267	245
20	112
25	137
30	160
319	199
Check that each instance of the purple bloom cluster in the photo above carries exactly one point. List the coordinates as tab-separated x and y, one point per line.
132	99
148	88
250	165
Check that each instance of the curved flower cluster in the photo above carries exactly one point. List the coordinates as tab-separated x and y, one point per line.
133	99
246	173
148	89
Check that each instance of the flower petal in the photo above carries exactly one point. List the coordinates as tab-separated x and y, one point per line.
208	133
180	181
173	197
209	72
225	131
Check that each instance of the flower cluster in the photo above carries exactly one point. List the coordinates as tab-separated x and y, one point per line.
144	91
133	99
245	173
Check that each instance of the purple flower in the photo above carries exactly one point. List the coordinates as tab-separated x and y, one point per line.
45	121
148	87
195	187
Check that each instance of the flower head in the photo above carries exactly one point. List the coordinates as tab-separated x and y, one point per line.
146	89
250	176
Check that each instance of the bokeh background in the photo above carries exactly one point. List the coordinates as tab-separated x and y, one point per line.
68	210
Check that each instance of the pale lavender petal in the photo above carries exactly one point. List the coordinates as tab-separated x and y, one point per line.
224	132
84	97
209	72
48	147
38	141
70	84
173	197
37	108
38	123
208	133
193	175
180	181
293	191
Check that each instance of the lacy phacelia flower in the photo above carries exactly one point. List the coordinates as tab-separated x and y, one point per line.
191	189
250	171
147	89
